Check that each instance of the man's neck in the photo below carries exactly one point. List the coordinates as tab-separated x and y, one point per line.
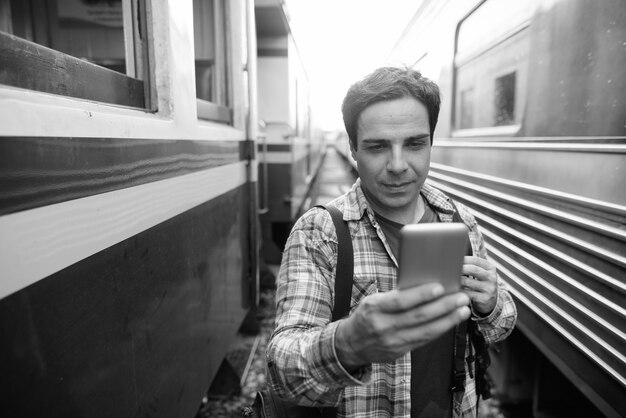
408	217
420	208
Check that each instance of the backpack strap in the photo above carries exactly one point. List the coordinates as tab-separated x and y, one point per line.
458	370
345	264
482	357
460	334
343	276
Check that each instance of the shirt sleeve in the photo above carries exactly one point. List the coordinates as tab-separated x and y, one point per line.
302	363
501	321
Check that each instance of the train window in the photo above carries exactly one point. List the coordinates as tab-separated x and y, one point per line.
504	100
491	61
467	108
76	48
210	48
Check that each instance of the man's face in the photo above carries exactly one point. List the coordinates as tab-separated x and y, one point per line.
393	155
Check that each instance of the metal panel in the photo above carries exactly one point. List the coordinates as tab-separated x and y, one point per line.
562	253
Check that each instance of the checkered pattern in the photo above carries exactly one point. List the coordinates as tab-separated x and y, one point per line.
301	361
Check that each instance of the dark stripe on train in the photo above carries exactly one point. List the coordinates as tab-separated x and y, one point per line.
272	52
275	147
137	329
36	172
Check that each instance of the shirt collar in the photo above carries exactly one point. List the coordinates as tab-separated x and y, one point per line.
437	199
357	203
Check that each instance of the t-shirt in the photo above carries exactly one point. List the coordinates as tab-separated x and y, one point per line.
431	365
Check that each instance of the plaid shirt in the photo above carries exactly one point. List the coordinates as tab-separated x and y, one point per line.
302	364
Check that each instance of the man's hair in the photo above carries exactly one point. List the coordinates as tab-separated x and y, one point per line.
389	83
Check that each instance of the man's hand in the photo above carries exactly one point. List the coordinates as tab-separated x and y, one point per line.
479	282
385	326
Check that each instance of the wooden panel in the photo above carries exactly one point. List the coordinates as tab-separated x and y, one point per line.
138	329
31	66
40	171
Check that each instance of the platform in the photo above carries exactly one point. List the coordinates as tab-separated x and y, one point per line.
335	178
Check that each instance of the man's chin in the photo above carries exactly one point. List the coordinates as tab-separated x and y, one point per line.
390	199
397	201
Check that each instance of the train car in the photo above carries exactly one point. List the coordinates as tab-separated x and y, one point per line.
532	137
290	146
128	214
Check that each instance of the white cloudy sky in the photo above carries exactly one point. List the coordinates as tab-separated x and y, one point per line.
341	41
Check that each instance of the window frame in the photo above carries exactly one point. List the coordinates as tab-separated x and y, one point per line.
35	67
464	57
221	84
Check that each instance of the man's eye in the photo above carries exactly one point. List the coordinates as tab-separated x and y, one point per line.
415	145
376	147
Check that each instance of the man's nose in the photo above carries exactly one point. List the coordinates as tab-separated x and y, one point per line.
397	161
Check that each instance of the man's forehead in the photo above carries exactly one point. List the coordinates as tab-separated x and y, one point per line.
406	115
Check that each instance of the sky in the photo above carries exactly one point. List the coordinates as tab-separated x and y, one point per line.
340	41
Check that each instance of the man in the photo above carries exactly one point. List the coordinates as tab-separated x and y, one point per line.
393	355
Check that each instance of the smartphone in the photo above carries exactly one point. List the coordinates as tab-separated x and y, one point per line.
432	252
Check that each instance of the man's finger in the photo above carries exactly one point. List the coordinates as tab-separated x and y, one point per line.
472	284
425	333
402	300
430	311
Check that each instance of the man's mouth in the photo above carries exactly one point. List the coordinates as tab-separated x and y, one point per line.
397	185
